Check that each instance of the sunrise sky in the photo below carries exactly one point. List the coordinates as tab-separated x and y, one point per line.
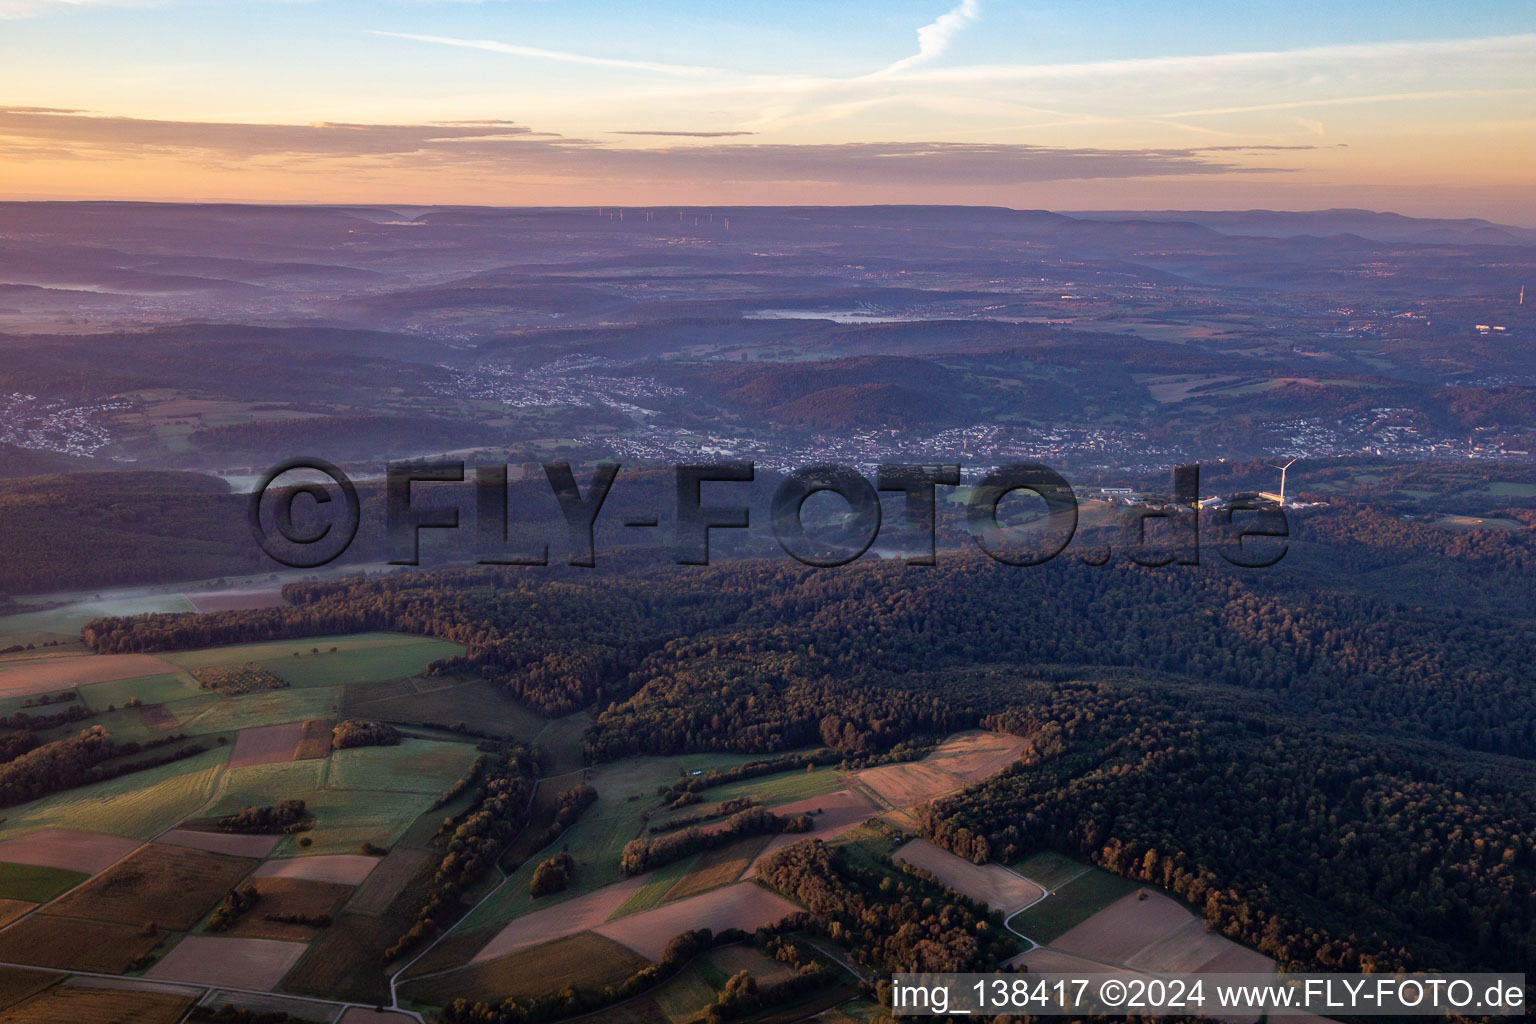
1422	108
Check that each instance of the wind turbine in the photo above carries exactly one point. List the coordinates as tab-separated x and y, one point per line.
1282	470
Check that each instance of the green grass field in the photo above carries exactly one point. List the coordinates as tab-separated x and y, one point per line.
66	620
1050	869
1070	905
138	806
474	702
655	889
161	689
36	884
272	708
784	788
685	995
239	654
345	796
414	766
358	664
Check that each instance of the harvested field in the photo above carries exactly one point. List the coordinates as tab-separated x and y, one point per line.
1191	948
388	879
992	884
17	983
1047	960
89	852
976	755
10	910
170	885
32	883
343	868
562	919
742	905
157	718
290	897
214	960
345	962
267	744
232	843
46	940
907	785
1124	928
46	675
717	867
81	1005
582	960
270	708
235	600
314	739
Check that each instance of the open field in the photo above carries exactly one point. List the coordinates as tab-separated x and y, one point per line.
170	885
66	620
560	740
428	767
446	701
347	818
976	755
137	806
47	940
17	983
235	844
658	885
156	689
582	960
267	744
1050	869
10	910
33	883
730	960
717	867
342	868
908	785
357	664
685	995
237	654
992	884
263	784
783	788
81	1005
743	905
215	960
302	1009
257	709
88	852
314	739
546	802
1070	905
1155	935
46	675
293	897
362	1015
559	920
344	962
831	815
388	878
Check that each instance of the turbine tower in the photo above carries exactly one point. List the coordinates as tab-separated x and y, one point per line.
1282	470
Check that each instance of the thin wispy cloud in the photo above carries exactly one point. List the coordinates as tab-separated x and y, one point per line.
493	46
